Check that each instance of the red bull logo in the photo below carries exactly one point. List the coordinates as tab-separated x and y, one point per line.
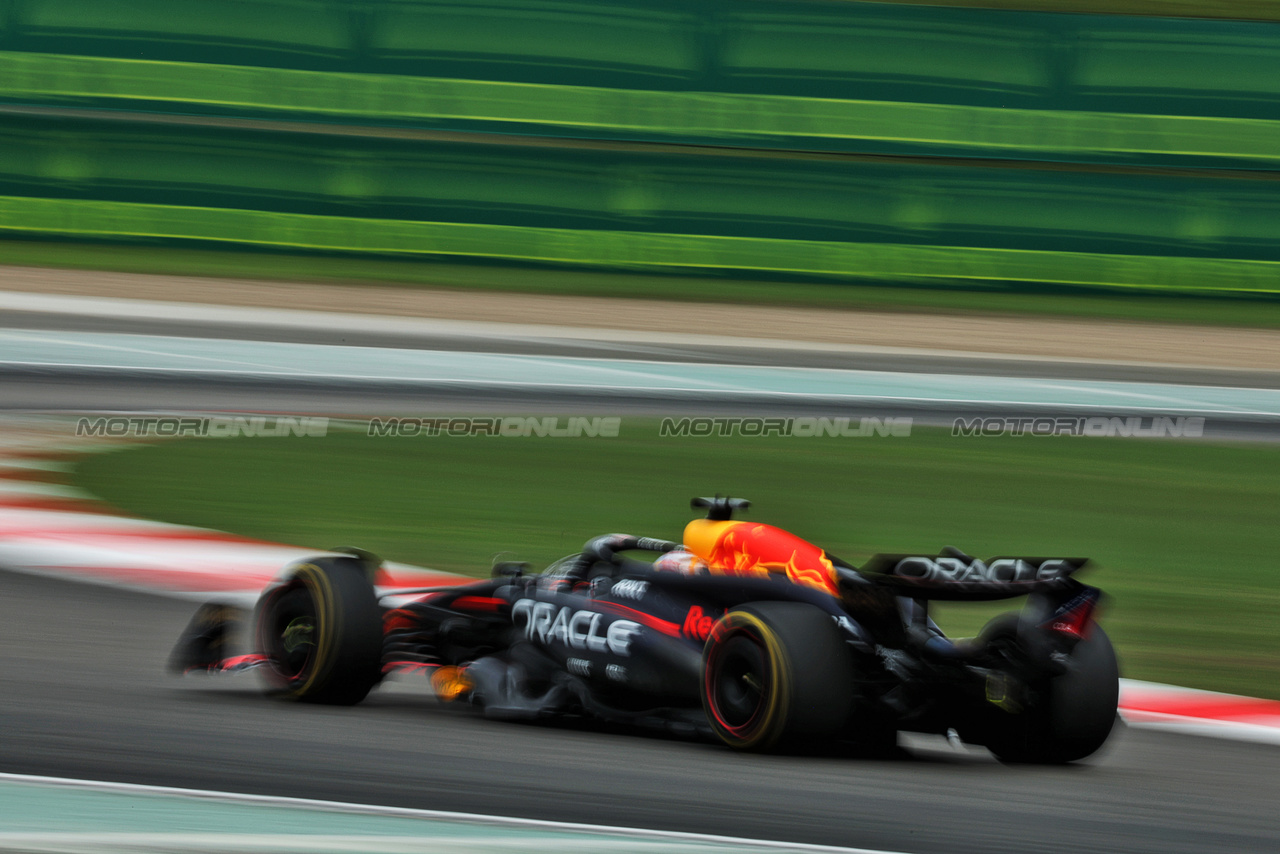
697	624
748	548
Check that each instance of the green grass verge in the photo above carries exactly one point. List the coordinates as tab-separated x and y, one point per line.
1223	310
1183	532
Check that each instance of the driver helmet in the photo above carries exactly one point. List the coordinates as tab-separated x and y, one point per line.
680	560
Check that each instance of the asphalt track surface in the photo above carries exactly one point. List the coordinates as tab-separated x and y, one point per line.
85	695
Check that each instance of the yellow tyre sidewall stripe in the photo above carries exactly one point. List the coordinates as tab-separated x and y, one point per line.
774	715
318	585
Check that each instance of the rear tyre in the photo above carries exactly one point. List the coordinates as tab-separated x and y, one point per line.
776	674
1071	714
322	631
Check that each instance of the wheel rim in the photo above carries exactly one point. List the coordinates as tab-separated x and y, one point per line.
740	683
291	633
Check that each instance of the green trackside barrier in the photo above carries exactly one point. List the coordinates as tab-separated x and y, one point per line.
767	120
790	73
812	48
648	189
632	249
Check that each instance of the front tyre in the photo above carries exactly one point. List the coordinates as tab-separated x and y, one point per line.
776	673
321	629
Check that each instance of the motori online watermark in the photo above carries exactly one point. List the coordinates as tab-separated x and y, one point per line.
216	426
604	427
801	427
1137	426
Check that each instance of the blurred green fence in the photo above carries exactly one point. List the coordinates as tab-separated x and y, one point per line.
649	189
1168	111
773	121
785	73
636	249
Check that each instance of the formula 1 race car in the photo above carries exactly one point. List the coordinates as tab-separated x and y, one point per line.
743	631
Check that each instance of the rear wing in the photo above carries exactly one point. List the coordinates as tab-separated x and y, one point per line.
955	576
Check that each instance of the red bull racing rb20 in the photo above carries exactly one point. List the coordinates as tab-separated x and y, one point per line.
743	632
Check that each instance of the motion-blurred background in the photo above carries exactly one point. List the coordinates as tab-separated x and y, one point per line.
882	143
1039	158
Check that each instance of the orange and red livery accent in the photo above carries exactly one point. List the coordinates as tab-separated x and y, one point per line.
747	548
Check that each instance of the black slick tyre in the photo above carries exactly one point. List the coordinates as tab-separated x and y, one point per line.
1073	713
776	674
321	628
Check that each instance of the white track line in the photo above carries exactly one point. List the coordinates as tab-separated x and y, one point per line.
438	815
